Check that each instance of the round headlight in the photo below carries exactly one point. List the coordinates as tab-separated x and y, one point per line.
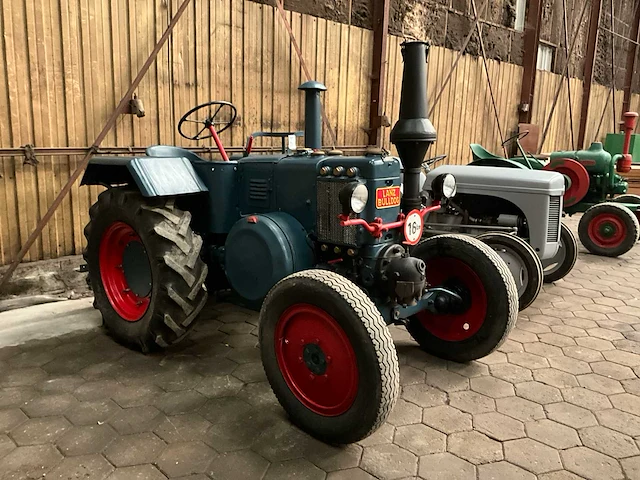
354	197
449	186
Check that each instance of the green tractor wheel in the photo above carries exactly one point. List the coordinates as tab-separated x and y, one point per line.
608	229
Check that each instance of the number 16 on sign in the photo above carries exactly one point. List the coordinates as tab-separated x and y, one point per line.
413	226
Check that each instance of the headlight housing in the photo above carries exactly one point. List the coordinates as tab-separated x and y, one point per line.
444	186
353	197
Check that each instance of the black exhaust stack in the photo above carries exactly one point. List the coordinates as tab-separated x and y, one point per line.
413	133
312	114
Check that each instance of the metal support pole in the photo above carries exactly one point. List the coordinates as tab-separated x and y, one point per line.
566	72
589	62
613	70
568	57
103	133
631	61
486	69
530	59
378	74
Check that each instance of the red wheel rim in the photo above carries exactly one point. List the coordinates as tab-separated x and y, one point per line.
457	274
607	230
578	176
126	303
316	359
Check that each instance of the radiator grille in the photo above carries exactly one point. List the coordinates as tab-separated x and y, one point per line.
329	229
554	219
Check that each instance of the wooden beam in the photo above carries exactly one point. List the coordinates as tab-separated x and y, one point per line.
589	62
530	58
378	74
631	61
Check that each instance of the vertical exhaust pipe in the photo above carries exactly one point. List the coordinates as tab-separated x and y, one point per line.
413	133
312	114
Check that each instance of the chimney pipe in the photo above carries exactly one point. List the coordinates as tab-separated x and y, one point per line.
413	133
312	115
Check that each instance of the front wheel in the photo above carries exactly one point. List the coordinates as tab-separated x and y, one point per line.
328	356
490	299
522	261
145	268
564	260
608	229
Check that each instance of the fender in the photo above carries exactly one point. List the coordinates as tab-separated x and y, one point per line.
154	176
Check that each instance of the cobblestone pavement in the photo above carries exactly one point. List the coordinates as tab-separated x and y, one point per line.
560	400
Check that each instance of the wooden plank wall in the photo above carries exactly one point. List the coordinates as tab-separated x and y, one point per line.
65	63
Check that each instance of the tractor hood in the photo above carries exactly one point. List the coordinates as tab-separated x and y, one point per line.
490	180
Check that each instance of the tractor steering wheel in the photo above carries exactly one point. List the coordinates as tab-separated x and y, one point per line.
210	114
431	161
519	136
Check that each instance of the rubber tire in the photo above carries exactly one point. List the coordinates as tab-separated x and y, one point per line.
178	273
529	259
570	242
627	216
502	311
378	369
628	198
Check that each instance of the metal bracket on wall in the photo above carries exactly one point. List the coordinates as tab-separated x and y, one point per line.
29	155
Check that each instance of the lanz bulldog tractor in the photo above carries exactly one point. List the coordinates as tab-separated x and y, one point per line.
320	240
609	225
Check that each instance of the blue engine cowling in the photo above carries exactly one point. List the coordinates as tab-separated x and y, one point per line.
263	249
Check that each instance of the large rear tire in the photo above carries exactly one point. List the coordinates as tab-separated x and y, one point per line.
145	268
489	293
565	259
523	263
608	229
328	356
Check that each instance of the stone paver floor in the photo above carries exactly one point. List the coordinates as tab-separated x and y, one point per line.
560	400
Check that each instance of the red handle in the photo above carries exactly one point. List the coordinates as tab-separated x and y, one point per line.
377	228
216	139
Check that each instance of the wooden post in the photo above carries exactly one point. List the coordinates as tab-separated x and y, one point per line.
631	61
589	62
530	58
378	74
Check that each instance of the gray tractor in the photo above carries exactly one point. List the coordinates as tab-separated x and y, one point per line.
517	212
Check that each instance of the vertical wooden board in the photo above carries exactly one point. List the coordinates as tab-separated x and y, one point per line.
321	74
343	77
237	73
164	112
297	77
352	88
362	137
267	69
252	72
281	75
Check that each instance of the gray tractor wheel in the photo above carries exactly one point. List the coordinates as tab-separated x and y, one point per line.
522	261
564	260
608	229
145	268
490	309
328	356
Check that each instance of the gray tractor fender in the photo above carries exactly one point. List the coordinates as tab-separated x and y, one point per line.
154	176
536	193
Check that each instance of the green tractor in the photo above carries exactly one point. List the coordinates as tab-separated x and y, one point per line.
593	186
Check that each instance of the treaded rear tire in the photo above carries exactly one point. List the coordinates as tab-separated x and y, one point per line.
626	216
375	356
527	256
570	245
502	309
177	271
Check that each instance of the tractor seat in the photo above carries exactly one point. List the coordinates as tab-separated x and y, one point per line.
481	153
171	151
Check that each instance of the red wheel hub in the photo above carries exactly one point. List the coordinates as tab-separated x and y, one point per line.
578	179
316	359
456	274
113	244
607	230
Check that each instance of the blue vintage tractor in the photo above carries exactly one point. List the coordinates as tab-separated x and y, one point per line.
318	240
593	186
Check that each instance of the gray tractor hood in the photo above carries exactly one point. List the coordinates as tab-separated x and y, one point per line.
492	180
